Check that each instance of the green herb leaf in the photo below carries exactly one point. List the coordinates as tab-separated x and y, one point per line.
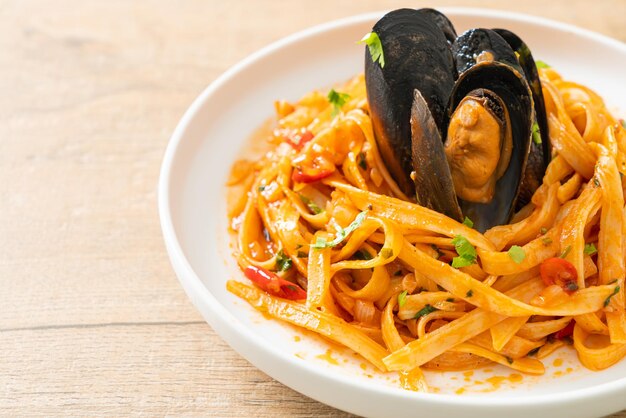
608	299
375	47
283	262
536	134
320	242
311	205
516	253
337	100
544	230
468	222
465	250
541	64
362	255
546	241
469	293
341	234
362	161
566	251
402	298
590	249
596	182
623	122
425	311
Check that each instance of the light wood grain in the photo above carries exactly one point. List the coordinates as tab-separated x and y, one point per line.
92	319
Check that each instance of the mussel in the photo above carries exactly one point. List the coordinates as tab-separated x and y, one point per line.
417	56
465	109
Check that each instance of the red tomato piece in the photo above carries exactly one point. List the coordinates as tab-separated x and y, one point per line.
296	138
274	285
565	332
560	272
312	170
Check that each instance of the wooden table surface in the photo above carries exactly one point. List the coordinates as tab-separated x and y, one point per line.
92	318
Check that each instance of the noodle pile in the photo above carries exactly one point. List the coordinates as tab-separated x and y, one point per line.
376	266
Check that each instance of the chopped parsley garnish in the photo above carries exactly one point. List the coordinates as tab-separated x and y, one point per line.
362	162
375	47
261	188
596	182
590	249
402	298
311	205
541	64
465	250
566	251
362	255
546	241
337	100
544	230
341	234
468	222
536	134
386	253
469	293
425	311
608	299
516	253
283	262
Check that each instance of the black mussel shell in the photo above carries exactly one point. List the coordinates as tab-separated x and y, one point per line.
480	45
540	155
417	56
442	21
433	182
511	87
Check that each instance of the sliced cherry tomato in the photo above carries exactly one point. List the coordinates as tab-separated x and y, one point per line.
560	272
274	285
296	138
565	332
312	170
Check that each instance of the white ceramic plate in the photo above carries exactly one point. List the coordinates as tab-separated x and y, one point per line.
193	217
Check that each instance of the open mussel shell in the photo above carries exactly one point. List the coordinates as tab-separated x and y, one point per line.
482	45
434	188
442	21
417	56
540	154
514	94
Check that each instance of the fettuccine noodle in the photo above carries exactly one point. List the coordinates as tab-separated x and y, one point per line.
376	266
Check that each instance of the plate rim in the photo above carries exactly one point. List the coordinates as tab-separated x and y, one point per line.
200	295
